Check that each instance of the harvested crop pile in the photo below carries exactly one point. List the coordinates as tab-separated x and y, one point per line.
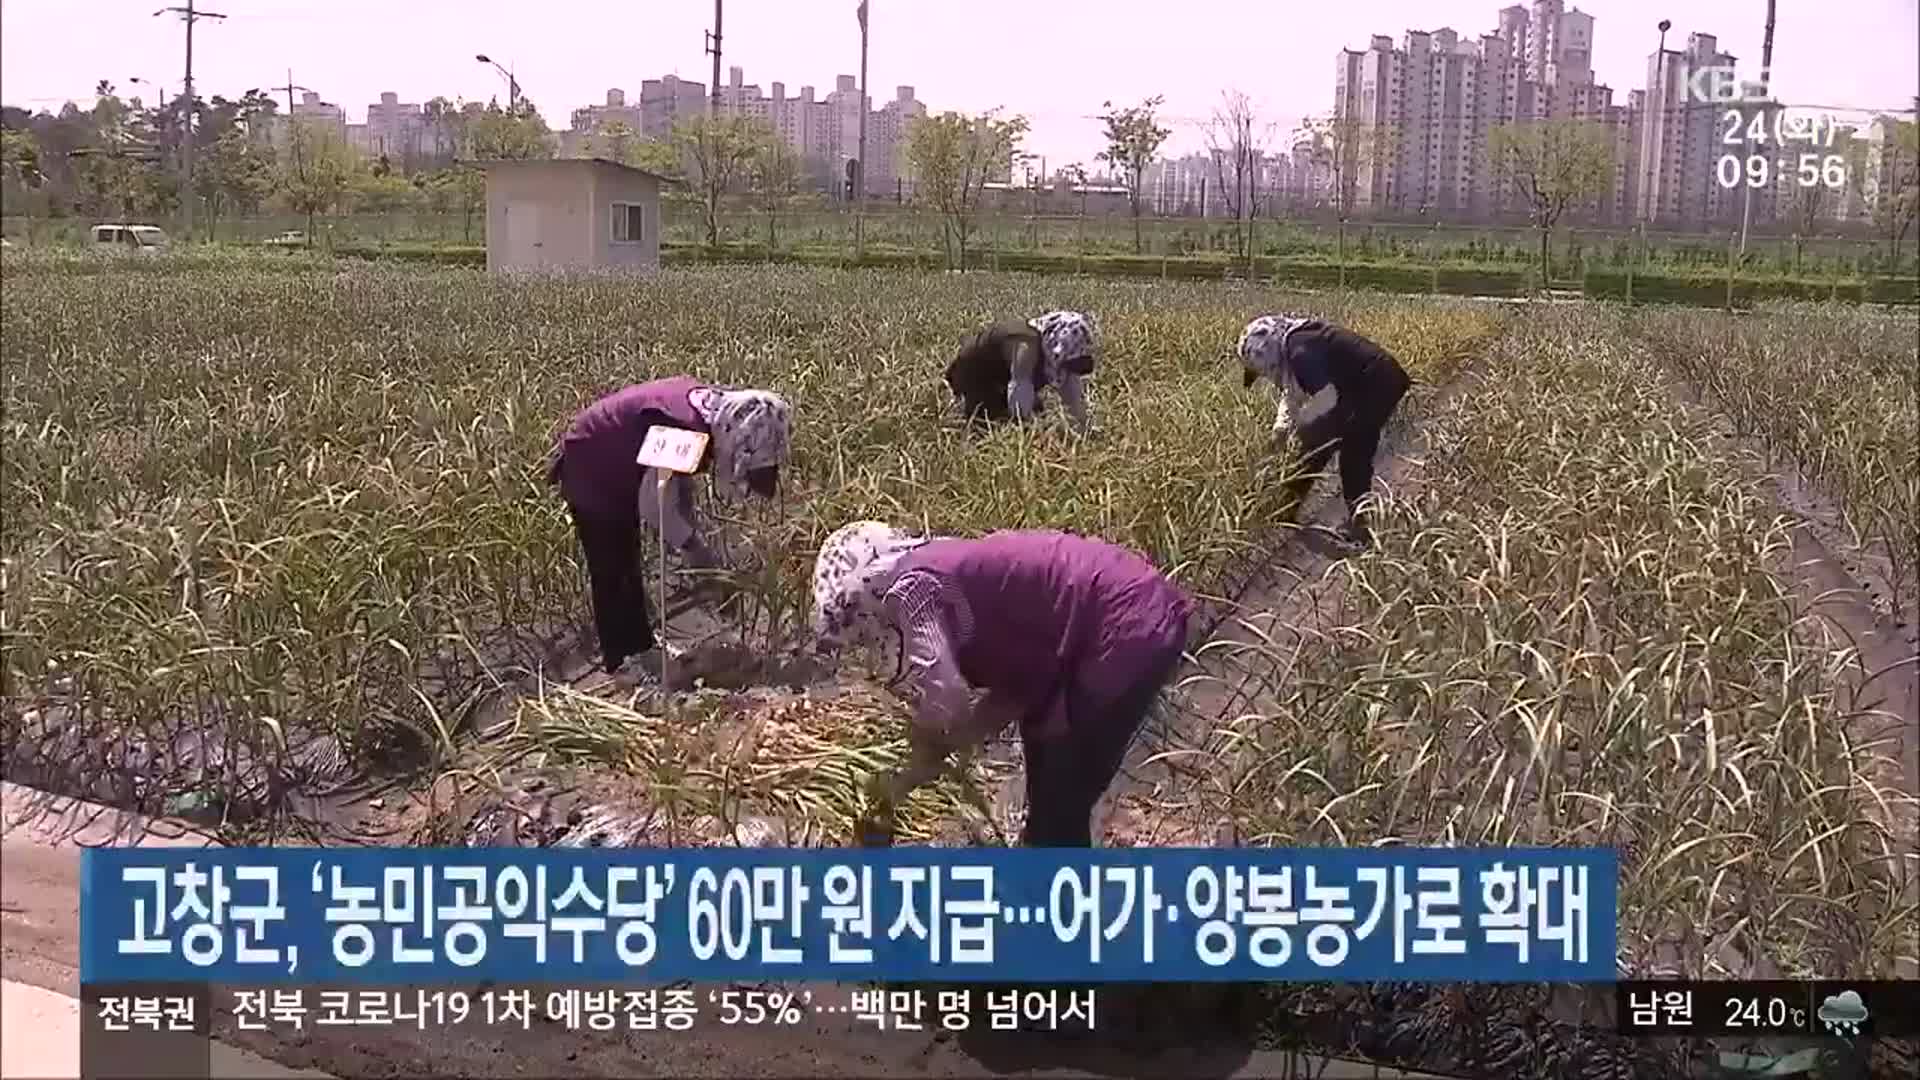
709	768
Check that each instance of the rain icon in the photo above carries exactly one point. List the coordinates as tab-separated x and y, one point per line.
1843	1013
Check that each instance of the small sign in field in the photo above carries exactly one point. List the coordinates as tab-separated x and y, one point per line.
672	449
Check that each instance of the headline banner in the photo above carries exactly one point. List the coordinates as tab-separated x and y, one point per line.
394	916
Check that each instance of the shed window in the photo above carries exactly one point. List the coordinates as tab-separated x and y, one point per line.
629	222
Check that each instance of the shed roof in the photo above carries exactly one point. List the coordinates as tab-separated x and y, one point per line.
501	163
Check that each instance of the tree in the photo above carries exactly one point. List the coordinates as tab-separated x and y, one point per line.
1553	164
953	156
20	157
719	151
1134	136
21	181
236	172
515	135
320	169
1896	183
617	141
1237	140
614	141
382	193
1075	174
445	130
657	156
775	173
1343	147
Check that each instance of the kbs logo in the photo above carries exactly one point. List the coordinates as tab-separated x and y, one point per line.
1716	85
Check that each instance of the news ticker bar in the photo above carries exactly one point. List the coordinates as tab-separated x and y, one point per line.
1841	1008
164	1030
1844	1009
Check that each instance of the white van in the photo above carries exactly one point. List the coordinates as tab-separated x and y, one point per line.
145	239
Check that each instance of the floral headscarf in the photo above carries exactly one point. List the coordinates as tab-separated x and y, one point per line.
1065	336
851	576
1262	343
752	429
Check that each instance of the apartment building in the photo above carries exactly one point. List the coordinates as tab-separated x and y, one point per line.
311	111
1682	139
1419	115
824	132
1179	186
667	101
888	171
394	129
1887	154
591	119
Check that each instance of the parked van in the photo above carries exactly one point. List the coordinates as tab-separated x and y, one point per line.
146	239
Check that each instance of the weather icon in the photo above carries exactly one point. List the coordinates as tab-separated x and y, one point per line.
1843	1013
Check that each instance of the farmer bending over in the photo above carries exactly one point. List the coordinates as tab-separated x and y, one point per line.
610	495
1071	638
1299	358
999	373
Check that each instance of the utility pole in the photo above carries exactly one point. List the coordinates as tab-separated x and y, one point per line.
189	16
713	47
1766	70
860	165
293	137
293	142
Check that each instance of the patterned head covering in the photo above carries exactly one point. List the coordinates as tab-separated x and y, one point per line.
855	568
1066	336
1261	345
752	429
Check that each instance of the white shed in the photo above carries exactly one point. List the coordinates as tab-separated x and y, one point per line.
571	214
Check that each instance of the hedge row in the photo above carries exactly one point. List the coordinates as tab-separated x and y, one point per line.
1456	280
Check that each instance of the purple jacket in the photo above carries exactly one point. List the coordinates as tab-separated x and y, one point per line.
597	472
1053	611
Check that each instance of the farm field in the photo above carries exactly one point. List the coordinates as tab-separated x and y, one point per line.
276	540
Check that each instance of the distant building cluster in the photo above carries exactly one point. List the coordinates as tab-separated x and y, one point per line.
1425	110
823	131
402	132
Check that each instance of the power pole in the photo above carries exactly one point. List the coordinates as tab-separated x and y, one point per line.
1766	70
293	141
860	166
713	46
189	16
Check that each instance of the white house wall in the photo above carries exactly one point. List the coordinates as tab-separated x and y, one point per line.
563	197
611	185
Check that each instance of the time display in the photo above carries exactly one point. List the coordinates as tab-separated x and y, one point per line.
1804	170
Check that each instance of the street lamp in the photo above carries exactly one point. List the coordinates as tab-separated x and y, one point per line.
513	86
160	88
1660	70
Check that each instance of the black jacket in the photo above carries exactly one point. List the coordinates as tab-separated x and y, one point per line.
1361	372
979	374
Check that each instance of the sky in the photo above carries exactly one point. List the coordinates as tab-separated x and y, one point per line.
1054	61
